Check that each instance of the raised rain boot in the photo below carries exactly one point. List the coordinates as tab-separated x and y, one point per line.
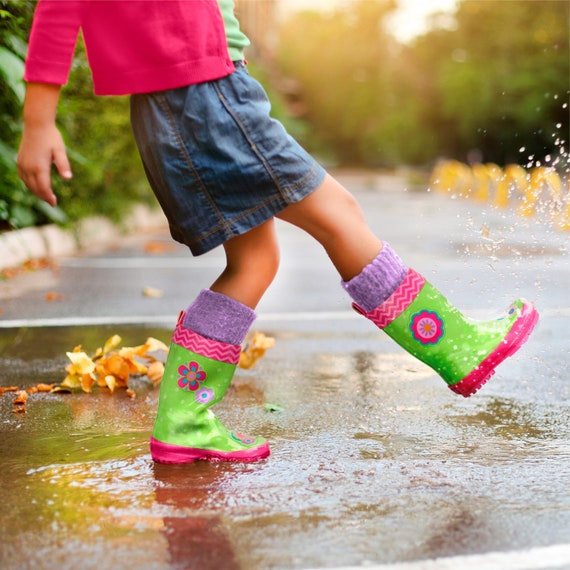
197	374
462	351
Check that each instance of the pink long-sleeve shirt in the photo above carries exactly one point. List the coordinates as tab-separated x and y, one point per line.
133	46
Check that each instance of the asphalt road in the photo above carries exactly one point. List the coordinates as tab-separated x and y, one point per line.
374	461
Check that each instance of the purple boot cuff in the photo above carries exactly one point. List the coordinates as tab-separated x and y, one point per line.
378	280
218	317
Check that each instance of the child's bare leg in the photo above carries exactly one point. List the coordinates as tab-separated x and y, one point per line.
252	260
333	217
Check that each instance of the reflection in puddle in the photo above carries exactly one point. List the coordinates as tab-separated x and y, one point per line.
199	540
517	428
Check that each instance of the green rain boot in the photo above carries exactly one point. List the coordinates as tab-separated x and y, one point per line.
462	351
197	375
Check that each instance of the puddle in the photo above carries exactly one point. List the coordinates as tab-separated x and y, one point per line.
373	460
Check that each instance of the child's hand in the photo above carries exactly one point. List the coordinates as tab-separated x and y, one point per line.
40	147
42	144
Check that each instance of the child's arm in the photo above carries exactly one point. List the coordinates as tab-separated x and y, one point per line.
42	143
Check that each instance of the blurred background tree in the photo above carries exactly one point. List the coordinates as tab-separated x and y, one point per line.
492	79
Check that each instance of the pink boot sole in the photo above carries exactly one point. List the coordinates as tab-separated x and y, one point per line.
176	454
516	337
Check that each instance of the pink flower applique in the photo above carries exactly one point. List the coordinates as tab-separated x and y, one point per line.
427	327
191	375
204	395
245	439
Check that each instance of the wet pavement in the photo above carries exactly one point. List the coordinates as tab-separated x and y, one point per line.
375	463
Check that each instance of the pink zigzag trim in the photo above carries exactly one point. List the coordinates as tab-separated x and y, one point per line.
399	301
213	349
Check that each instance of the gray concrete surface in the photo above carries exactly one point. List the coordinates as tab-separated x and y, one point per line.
375	463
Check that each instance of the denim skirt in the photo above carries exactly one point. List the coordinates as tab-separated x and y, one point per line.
217	162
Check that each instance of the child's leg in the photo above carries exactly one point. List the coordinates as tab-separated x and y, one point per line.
252	260
333	217
204	353
399	300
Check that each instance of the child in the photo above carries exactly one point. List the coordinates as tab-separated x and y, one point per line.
223	170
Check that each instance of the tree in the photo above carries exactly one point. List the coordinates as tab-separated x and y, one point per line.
492	77
505	79
343	63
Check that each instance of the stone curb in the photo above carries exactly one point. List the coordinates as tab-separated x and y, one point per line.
19	246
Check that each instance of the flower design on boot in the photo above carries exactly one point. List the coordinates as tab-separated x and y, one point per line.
513	309
204	395
427	327
191	375
245	439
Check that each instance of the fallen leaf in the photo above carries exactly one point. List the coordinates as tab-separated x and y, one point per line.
152	345
155	372
61	389
87	382
72	381
111	382
255	349
53	296
80	363
21	398
117	366
152	292
157	247
112	343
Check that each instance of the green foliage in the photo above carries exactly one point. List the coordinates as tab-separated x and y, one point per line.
341	64
495	81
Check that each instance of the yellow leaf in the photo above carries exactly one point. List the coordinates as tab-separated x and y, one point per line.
152	292
154	344
111	343
111	382
82	364
72	381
